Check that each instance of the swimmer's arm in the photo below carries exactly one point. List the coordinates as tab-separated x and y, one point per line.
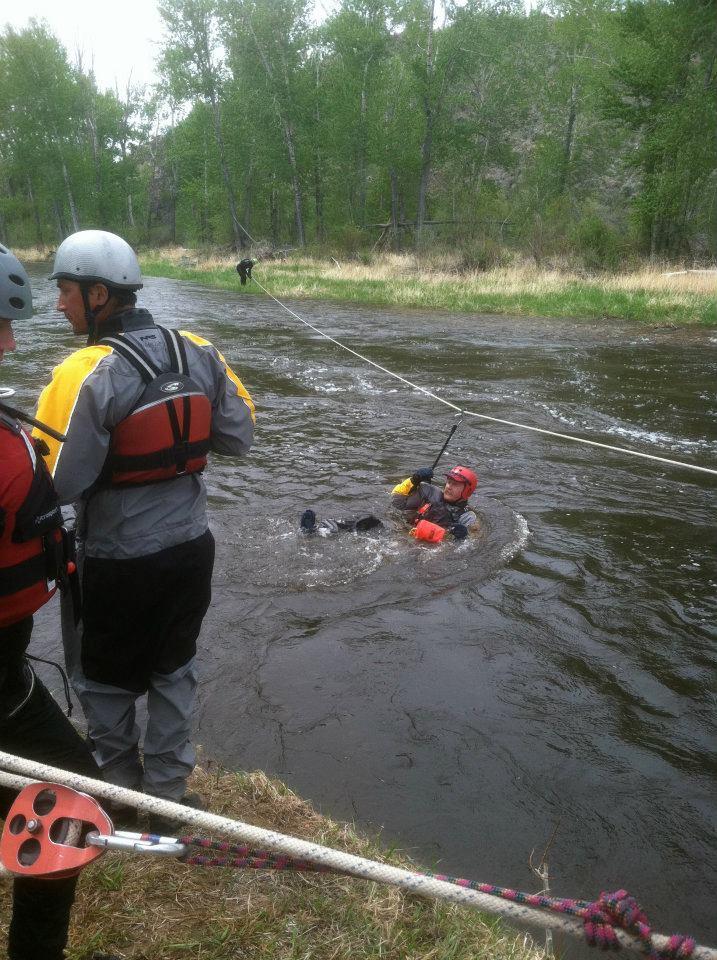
470	520
406	496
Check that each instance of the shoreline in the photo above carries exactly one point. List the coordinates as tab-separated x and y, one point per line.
652	296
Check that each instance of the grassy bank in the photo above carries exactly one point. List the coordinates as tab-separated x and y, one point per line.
655	297
162	910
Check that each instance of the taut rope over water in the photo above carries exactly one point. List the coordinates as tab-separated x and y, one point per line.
484	416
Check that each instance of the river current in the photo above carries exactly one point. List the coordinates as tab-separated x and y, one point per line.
553	677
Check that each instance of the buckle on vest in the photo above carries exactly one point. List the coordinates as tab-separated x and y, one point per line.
181	454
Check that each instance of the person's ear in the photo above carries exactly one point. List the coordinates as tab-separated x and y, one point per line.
98	295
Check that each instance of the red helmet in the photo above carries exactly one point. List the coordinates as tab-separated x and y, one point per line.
467	477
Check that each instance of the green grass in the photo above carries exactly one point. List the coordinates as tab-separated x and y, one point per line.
645	298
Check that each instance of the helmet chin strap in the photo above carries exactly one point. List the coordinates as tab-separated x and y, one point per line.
95	317
89	314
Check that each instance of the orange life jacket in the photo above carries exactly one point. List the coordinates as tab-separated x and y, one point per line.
31	548
167	433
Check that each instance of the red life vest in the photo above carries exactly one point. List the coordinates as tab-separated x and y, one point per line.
30	522
167	433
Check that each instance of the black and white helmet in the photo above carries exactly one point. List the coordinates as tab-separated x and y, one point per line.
96	256
15	292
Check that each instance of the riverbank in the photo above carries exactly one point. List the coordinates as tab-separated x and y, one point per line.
654	297
143	907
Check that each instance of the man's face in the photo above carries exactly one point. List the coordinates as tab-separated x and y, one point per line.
70	302
453	490
7	340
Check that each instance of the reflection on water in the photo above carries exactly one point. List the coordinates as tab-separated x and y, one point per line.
559	670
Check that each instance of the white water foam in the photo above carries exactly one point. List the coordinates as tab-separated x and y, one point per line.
522	535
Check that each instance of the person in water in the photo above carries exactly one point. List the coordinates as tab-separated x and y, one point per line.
31	723
433	511
141	406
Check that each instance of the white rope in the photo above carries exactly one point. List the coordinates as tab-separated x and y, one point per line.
484	416
305	850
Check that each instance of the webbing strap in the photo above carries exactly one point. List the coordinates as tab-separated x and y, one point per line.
143	364
145	367
177	350
23	575
131	462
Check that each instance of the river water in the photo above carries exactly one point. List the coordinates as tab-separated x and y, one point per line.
554	677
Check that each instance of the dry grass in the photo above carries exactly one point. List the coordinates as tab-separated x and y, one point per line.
654	294
446	268
161	910
439	268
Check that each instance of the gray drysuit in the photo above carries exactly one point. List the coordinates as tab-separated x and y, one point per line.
120	531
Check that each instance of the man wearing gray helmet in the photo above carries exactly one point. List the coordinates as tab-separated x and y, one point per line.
141	406
31	723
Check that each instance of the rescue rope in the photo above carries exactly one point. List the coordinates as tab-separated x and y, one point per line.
602	917
280	845
485	416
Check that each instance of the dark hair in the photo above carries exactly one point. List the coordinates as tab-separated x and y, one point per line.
124	298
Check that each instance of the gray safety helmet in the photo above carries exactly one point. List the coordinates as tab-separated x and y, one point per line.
15	292
96	256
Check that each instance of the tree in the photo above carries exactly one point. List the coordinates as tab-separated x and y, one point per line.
191	67
663	88
268	39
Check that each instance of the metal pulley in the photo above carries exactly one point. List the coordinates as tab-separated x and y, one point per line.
45	831
53	831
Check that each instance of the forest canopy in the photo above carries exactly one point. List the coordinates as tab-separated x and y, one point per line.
583	128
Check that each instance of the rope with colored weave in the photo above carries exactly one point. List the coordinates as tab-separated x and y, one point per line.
600	917
15	771
245	857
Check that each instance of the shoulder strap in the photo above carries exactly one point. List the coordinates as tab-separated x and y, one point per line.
9	422
145	367
177	350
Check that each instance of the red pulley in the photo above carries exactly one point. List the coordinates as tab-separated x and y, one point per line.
44	829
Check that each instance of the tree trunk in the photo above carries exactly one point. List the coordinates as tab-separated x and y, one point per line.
70	198
205	201
288	133
395	202
274	217
295	184
246	212
35	213
318	166
130	210
427	145
60	220
240	235
362	159
569	139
